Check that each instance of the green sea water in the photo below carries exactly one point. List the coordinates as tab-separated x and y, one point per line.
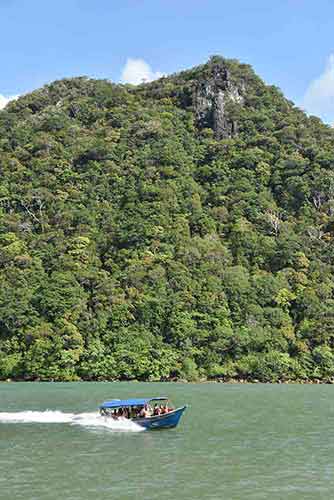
234	442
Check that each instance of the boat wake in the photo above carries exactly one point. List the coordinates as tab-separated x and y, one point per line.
93	419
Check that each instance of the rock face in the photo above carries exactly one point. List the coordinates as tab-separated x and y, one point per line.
210	98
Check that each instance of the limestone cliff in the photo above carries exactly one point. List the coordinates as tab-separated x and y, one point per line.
211	97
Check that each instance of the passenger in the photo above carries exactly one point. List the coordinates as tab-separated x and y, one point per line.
168	408
163	409
157	410
144	412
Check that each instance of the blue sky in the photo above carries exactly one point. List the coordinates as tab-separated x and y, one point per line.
290	43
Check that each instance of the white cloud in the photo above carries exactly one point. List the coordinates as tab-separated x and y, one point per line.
319	96
137	71
5	100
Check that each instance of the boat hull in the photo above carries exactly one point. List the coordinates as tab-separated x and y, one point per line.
165	421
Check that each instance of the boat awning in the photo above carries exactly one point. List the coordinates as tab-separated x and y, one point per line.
119	403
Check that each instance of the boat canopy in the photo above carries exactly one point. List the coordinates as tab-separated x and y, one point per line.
120	403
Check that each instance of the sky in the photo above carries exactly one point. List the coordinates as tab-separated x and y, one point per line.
289	43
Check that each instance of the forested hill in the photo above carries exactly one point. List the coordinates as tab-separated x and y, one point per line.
181	229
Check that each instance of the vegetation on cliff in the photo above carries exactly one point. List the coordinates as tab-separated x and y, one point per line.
179	229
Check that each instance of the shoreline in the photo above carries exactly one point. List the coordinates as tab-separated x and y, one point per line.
184	381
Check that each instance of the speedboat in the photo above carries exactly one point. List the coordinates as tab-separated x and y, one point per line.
150	413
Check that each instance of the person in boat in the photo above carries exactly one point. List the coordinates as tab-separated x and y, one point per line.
168	408
144	412
157	410
163	409
134	412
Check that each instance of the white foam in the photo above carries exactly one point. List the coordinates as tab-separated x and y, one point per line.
45	417
59	417
96	420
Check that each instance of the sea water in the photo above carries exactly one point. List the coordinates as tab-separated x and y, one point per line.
234	442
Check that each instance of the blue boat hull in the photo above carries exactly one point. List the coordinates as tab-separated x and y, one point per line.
165	421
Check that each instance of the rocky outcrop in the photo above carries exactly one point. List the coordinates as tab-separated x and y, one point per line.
211	97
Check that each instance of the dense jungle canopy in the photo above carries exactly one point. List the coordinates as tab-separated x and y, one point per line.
180	229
